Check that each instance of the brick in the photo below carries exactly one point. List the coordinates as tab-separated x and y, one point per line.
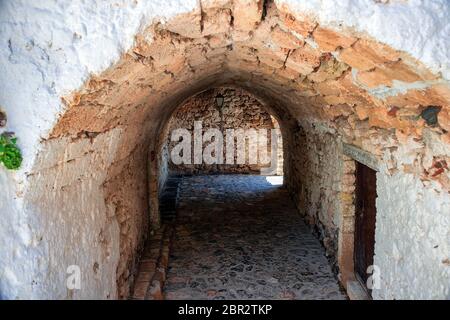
349	166
285	39
380	118
348	224
216	21
434	95
445	138
442	91
287	73
328	88
303	26
241	36
346	197
244	52
329	40
304	60
247	14
334	100
208	4
362	112
386	74
349	179
365	55
270	60
219	41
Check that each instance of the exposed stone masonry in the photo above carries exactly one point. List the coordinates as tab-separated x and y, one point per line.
152	268
338	87
239	111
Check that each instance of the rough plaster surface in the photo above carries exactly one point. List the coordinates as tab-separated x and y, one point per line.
73	214
71	218
391	22
412	239
49	49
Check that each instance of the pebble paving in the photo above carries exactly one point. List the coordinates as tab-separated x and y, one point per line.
240	237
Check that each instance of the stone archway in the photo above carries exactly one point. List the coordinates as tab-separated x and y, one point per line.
89	184
241	111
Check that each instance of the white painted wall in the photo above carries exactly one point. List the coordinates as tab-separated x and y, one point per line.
412	232
412	239
48	48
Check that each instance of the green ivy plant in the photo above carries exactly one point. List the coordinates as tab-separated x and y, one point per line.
10	154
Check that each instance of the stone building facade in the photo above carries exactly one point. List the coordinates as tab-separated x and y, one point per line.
89	90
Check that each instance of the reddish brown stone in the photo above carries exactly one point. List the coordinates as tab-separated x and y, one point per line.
285	39
329	40
444	118
429	96
302	26
362	112
304	60
386	74
366	54
247	14
216	21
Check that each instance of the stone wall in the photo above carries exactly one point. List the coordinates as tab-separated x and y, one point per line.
88	121
411	221
239	111
315	179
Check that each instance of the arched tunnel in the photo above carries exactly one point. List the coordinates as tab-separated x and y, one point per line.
365	126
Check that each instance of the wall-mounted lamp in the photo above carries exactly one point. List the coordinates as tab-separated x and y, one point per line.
219	100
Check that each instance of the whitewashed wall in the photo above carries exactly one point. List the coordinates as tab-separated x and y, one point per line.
412	236
48	48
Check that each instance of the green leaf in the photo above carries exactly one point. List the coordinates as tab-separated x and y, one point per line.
10	154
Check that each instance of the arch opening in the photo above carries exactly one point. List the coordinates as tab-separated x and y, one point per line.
241	120
99	173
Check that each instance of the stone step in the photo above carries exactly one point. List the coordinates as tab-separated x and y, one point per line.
149	281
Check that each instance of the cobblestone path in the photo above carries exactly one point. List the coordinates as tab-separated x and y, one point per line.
239	237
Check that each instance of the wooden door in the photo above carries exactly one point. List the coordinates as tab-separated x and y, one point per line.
366	194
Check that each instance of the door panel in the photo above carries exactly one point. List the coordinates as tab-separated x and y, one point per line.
366	195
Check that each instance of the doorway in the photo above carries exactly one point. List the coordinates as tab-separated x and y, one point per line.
365	219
